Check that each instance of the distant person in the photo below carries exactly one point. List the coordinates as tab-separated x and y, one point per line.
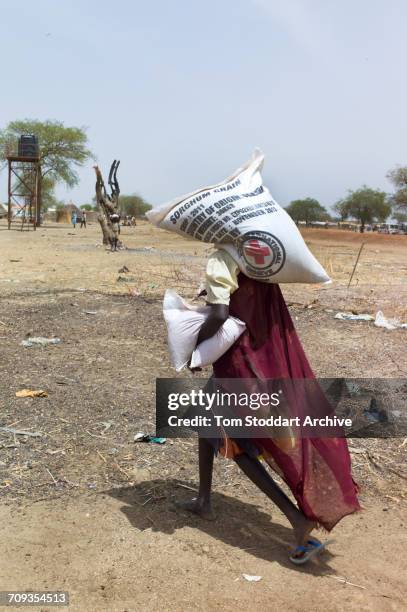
115	220
83	220
74	219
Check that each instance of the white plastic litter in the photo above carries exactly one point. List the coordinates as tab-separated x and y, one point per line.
251	578
183	324
139	437
240	216
40	341
381	321
349	316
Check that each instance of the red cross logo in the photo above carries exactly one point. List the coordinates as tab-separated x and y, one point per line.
257	250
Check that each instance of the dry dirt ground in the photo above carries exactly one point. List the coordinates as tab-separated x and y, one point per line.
86	510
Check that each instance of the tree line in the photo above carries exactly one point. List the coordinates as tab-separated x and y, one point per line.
364	205
64	149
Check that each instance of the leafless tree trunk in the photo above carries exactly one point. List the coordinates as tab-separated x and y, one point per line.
107	204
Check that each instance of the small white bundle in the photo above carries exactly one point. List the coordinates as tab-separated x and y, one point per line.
184	323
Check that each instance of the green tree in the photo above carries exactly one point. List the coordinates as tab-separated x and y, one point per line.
341	210
398	177
401	217
133	205
307	210
48	199
87	207
366	205
62	151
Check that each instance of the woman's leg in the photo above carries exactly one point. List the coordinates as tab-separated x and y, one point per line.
262	479
201	505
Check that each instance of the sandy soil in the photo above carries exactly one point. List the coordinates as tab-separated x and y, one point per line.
87	510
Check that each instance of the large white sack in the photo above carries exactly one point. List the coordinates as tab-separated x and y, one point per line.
183	324
240	216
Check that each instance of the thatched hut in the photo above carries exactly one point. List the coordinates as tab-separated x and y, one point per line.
64	214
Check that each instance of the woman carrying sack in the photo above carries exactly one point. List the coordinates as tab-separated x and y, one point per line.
317	470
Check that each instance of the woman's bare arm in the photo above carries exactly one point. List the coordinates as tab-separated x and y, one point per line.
217	316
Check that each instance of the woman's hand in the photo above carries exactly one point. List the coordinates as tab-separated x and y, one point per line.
217	316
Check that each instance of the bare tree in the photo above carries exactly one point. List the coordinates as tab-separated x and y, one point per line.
108	204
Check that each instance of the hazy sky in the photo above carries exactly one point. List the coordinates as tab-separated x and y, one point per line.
183	90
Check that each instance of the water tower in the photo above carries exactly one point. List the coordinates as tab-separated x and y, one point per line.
24	183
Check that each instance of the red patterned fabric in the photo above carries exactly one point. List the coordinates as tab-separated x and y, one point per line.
317	470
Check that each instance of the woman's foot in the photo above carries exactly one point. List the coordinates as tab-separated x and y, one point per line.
302	532
196	506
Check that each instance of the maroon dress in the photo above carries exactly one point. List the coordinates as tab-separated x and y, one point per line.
317	470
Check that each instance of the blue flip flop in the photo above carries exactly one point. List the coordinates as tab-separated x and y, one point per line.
313	547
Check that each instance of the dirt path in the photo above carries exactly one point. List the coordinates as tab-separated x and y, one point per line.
113	553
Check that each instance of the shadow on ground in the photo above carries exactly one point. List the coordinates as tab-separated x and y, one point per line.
151	505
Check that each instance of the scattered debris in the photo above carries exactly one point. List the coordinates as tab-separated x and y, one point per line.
184	486
251	578
143	437
106	425
157	440
90	312
356	263
126	279
344	581
395	499
55	481
102	456
92	435
31	393
350	316
311	304
134	292
18	432
381	321
374	414
40	341
123	270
